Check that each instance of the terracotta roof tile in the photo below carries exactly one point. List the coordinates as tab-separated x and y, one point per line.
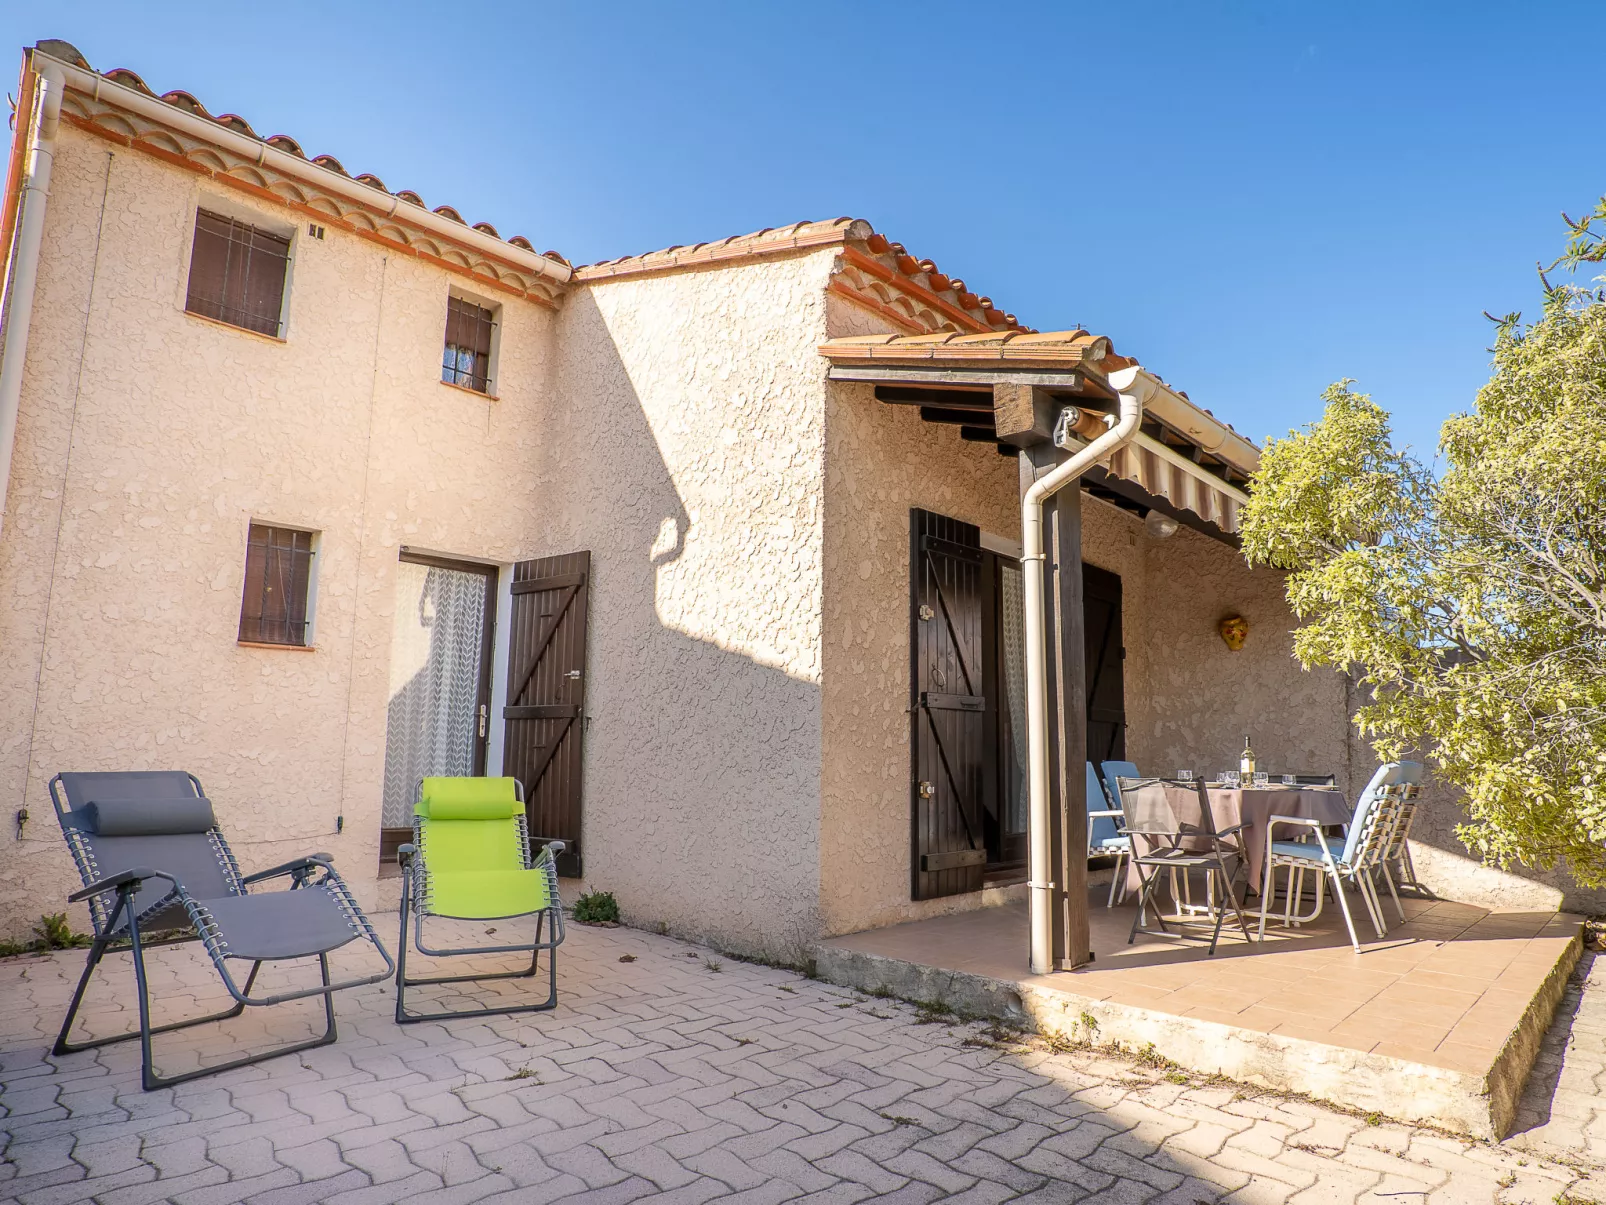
1048	349
955	303
186	101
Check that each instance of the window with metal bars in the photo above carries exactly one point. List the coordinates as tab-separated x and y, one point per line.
237	273
467	359
278	580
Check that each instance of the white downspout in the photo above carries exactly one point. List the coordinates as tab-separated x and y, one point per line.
1125	382
25	262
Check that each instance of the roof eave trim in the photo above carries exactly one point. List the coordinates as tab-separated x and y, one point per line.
99	88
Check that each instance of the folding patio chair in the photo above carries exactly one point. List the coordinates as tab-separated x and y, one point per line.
1104	835
153	859
1114	772
1397	849
470	860
1354	857
1172	830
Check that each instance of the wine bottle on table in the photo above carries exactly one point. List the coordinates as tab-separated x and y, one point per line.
1246	760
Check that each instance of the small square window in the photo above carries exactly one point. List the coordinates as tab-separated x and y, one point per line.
237	273
278	585
467	359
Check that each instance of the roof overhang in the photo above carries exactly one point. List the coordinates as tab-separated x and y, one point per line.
1184	462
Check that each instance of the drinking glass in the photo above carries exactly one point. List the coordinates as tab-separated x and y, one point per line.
1288	780
1262	778
1229	778
1184	775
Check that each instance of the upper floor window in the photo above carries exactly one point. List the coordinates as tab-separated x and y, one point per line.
275	606
237	273
467	359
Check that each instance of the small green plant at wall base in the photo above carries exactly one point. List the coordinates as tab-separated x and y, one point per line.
54	933
596	908
51	933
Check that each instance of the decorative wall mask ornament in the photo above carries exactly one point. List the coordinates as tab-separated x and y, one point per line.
1234	630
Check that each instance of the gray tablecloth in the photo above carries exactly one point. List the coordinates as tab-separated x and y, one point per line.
1254	806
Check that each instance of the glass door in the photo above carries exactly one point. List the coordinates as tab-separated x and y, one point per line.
440	684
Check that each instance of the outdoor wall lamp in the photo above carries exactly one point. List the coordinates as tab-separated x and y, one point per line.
1161	527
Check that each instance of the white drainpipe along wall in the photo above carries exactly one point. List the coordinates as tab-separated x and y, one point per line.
25	261
1132	385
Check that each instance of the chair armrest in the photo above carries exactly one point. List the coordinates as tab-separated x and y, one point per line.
1115	812
1315	826
310	862
555	845
1305	820
405	853
1227	832
122	878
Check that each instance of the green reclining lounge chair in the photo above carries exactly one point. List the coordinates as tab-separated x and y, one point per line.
470	860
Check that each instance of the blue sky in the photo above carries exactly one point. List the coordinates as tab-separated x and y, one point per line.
1254	199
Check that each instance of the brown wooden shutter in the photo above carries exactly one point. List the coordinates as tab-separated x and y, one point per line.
278	570
237	273
545	712
1106	669
947	706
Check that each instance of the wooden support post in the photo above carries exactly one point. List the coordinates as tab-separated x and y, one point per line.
1067	709
1023	415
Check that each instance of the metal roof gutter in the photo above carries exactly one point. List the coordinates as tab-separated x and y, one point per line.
43	122
1133	387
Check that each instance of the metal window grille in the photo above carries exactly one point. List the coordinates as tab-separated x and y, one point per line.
237	273
467	359
278	572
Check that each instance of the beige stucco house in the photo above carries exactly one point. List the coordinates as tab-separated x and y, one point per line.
265	522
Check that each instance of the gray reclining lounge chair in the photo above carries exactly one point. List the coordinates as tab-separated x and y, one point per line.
153	859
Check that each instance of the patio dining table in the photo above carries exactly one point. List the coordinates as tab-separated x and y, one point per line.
1254	806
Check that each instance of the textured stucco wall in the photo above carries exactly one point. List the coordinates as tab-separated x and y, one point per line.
181	432
1199	698
688	460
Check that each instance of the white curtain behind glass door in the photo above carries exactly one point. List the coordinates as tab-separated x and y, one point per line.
435	674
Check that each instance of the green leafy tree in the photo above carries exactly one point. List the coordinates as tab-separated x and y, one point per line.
1470	605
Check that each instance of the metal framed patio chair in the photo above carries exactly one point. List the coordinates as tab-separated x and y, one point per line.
1113	772
1397	849
1353	858
1173	831
1104	836
470	859
153	860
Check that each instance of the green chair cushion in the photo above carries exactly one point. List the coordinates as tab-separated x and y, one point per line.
487	894
468	799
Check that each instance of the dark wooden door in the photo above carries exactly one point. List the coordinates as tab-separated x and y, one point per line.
1106	670
948	739
545	711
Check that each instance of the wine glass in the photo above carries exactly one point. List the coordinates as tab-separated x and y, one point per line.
1184	775
1288	780
1262	778
1230	778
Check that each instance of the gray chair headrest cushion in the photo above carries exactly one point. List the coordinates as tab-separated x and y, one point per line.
149	817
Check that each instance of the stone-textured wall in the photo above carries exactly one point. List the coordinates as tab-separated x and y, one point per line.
688	460
152	438
1199	698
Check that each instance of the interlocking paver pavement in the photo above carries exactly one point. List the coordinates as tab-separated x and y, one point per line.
663	1079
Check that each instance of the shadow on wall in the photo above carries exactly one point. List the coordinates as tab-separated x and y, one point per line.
1447	868
701	778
